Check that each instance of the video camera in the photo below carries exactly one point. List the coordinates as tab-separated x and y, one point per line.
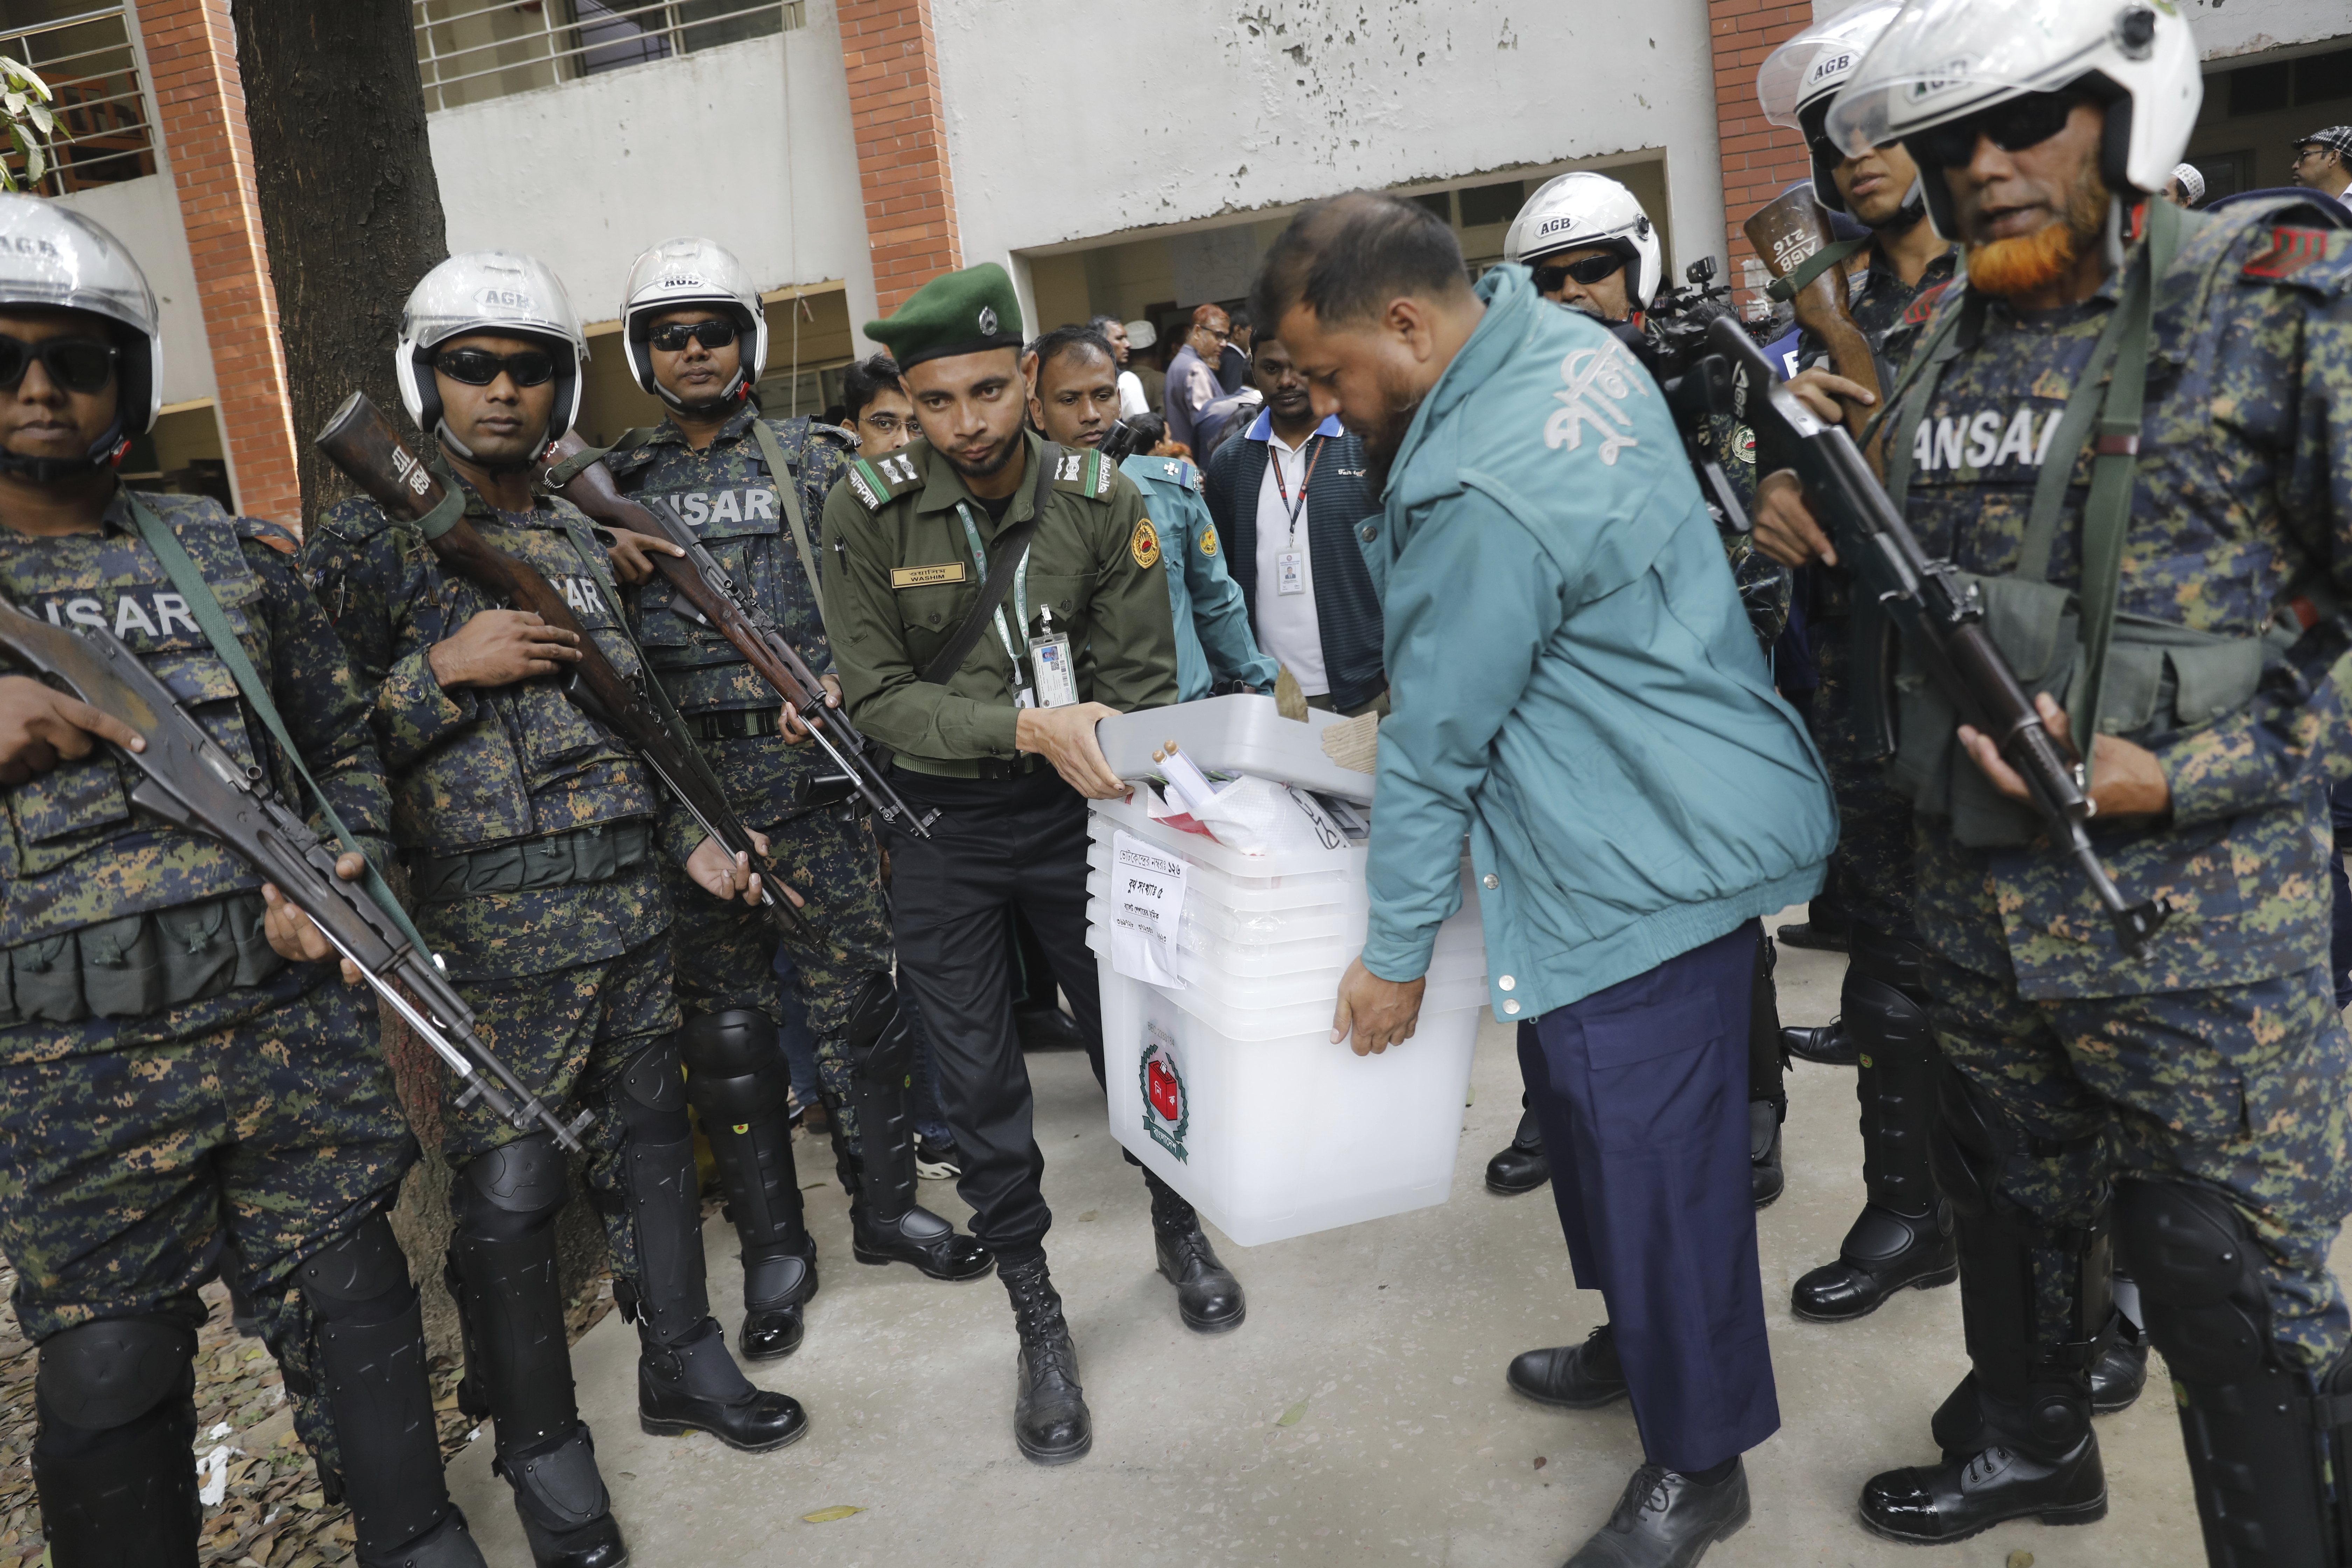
1699	382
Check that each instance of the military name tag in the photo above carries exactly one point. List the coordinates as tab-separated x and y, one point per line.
926	576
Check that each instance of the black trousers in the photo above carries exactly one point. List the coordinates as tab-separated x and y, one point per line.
997	845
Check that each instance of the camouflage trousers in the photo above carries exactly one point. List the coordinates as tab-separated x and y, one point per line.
726	953
568	1033
141	1156
1871	866
2240	1090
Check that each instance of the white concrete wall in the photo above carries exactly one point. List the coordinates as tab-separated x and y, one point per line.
144	213
748	144
2228	27
1073	118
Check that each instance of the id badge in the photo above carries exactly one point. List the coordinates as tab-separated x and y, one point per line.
1290	571
1049	659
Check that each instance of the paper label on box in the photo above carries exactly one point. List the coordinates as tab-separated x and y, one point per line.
1146	907
1166	1110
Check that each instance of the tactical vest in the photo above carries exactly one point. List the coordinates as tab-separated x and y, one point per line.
105	908
532	764
741	521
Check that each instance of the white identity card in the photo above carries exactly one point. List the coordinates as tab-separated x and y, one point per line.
1147	897
1057	683
1290	571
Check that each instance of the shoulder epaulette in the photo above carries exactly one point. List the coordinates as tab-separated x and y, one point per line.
1085	473
833	433
2289	250
276	536
1170	471
877	481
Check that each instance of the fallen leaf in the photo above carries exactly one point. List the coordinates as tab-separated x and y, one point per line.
1090	1214
827	1515
310	1499
2020	1560
1539	1461
1294	1416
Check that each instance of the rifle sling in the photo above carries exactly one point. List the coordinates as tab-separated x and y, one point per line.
1011	545
788	496
212	621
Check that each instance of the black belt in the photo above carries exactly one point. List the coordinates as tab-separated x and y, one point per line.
740	723
1017	767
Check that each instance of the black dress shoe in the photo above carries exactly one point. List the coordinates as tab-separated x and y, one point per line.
567	1519
1523	1166
1050	1419
693	1386
1884	1252
922	1238
1826	1045
1766	1180
1047	1029
1814	935
774	1291
1208	1296
1955	1501
1667	1520
2117	1377
1574	1377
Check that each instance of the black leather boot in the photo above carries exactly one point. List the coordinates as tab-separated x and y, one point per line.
1766	1180
1667	1520
1902	1240
567	1516
1050	1419
1573	1377
1523	1166
1823	1045
740	1086
886	1224
1046	1029
1208	1296
694	1386
2118	1377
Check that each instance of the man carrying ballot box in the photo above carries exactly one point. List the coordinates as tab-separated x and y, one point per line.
1576	687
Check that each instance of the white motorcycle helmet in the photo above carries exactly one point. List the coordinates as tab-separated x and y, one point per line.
1797	84
54	257
487	291
1944	60
691	271
1579	210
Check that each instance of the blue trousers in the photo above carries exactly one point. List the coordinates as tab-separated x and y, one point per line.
1642	1090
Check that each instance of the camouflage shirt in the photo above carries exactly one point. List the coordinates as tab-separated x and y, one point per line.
78	851
476	766
2242	507
727	495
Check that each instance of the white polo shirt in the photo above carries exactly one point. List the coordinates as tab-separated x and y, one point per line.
1287	630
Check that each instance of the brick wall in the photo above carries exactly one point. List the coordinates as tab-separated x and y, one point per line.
892	56
192	63
1759	158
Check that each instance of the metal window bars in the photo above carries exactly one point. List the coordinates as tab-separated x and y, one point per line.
103	135
539	43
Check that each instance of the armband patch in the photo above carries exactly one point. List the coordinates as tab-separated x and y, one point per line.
1209	540
2288	252
1144	543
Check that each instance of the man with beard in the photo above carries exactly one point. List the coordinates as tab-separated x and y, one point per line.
1556	600
985	670
2128	426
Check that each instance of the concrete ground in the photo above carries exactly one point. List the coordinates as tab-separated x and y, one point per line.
1382	1346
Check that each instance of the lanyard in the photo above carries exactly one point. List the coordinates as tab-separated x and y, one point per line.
1019	590
1274	456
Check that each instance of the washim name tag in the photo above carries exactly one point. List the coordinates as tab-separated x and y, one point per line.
927	576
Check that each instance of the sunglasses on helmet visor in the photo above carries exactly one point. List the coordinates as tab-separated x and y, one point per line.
77	365
1588	271
2012	127
673	338
479	367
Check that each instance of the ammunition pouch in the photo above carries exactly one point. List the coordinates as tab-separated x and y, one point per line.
595	854
139	964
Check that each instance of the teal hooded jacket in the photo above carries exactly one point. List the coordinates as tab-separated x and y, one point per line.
1574	680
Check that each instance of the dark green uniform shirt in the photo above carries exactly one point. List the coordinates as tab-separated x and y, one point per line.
902	580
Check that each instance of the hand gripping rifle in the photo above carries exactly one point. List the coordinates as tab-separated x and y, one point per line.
712	595
1939	614
362	442
189	781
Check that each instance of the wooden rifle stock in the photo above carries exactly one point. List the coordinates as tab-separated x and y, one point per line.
1787	233
362	442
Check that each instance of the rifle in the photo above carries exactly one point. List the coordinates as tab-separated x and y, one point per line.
190	782
1788	233
362	442
1941	618
705	585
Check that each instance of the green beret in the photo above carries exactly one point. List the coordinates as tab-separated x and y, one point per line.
962	312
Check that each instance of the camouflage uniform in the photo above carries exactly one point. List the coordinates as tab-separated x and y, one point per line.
176	1099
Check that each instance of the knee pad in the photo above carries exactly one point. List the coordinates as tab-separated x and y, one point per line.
1891	960
736	1073
2208	1307
881	1047
1966	1150
361	1278
649	1094
108	1374
513	1192
1884	1018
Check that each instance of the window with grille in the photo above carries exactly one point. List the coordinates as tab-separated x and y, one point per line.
83	52
468	51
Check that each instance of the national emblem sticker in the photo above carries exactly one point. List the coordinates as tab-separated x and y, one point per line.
1145	543
1166	1110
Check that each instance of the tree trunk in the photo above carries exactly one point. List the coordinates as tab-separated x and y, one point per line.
350	206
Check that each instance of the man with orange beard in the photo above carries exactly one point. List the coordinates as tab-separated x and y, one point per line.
2126	428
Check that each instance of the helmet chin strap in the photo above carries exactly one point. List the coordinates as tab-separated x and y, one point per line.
737	390
104	453
1914	207
449	442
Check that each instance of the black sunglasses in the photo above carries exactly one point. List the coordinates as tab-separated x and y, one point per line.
674	336
479	367
1588	271
77	365
2012	127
